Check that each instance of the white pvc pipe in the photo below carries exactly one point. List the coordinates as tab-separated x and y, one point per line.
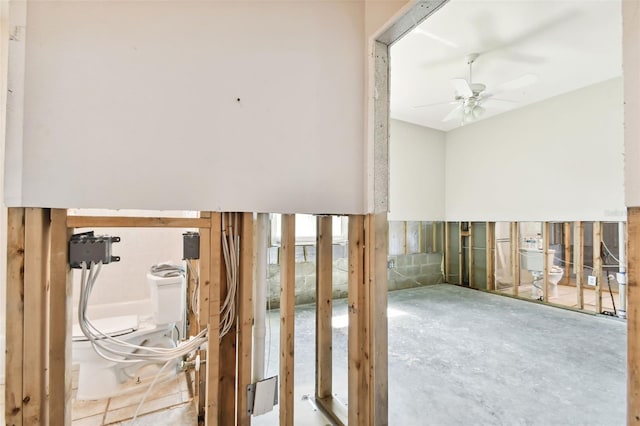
260	299
622	269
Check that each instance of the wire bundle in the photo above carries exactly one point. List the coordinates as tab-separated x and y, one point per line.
231	252
118	350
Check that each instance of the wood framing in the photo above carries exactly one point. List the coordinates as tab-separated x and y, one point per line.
204	270
472	257
461	265
136	222
60	311
545	261
491	255
227	368
287	318
578	253
376	239
324	306
245	316
597	264
633	316
566	240
34	398
446	251
359	338
212	272
515	256
14	316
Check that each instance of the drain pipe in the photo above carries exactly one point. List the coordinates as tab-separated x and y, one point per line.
260	292
622	271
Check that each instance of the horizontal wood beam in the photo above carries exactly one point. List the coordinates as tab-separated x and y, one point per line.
136	222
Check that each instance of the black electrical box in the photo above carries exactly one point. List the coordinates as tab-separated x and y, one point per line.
190	245
88	247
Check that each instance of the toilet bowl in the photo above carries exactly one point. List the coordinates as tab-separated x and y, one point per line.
100	378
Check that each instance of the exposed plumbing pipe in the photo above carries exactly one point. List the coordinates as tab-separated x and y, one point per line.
622	271
260	299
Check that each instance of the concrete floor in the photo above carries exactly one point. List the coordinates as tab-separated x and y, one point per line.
459	357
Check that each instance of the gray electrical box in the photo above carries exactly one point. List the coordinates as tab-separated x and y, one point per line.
87	247
190	245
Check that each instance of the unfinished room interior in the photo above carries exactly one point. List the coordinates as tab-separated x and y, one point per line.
318	212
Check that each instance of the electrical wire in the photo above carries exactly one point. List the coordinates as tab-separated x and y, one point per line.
231	255
118	350
194	299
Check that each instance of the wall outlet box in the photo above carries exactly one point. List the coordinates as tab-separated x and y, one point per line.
592	280
262	396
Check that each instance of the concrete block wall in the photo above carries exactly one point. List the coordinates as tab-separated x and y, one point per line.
414	270
423	267
306	274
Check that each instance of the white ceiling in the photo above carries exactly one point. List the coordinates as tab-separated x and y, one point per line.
567	44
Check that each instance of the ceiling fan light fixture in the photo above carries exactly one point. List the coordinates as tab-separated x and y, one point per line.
478	112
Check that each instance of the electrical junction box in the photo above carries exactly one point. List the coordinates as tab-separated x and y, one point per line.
87	247
592	280
190	245
262	396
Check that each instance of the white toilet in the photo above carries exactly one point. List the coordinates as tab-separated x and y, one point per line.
531	260
99	378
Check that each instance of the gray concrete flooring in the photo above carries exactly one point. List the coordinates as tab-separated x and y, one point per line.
464	357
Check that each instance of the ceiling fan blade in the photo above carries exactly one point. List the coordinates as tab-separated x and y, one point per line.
519	83
453	113
462	87
436	104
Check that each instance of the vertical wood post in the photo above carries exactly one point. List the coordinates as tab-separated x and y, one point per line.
358	350
566	240
245	316
287	317
446	251
633	317
60	311
376	248
491	256
228	343
324	305
597	263
212	272
472	257
578	253
515	256
460	255
545	261
14	316
34	398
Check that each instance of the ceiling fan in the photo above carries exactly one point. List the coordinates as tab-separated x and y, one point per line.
471	99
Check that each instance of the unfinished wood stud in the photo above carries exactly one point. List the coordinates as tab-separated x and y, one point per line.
324	305
287	318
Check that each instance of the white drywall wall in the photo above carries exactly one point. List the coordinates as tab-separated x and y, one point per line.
631	63
4	40
561	159
416	172
134	105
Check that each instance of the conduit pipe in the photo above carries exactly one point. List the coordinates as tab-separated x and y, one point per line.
622	271
260	293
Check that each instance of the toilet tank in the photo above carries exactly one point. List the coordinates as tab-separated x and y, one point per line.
168	298
531	259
